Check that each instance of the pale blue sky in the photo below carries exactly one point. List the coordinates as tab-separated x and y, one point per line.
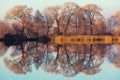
108	71
108	6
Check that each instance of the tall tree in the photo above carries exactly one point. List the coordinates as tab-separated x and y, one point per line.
113	23
20	14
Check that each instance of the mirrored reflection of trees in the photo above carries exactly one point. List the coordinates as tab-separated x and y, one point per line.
31	38
114	55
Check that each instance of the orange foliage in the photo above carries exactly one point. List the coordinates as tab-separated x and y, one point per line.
115	21
14	68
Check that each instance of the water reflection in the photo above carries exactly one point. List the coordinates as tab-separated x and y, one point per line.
67	59
61	40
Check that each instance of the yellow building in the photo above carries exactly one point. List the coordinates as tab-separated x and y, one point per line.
87	39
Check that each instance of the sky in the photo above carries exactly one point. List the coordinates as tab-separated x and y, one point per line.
108	6
109	72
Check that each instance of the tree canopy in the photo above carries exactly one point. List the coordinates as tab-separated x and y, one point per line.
35	35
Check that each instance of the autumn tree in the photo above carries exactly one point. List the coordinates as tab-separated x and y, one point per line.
94	16
113	29
68	19
113	55
20	16
39	23
17	66
113	23
73	17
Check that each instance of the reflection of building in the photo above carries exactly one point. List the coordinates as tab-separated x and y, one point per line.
82	39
